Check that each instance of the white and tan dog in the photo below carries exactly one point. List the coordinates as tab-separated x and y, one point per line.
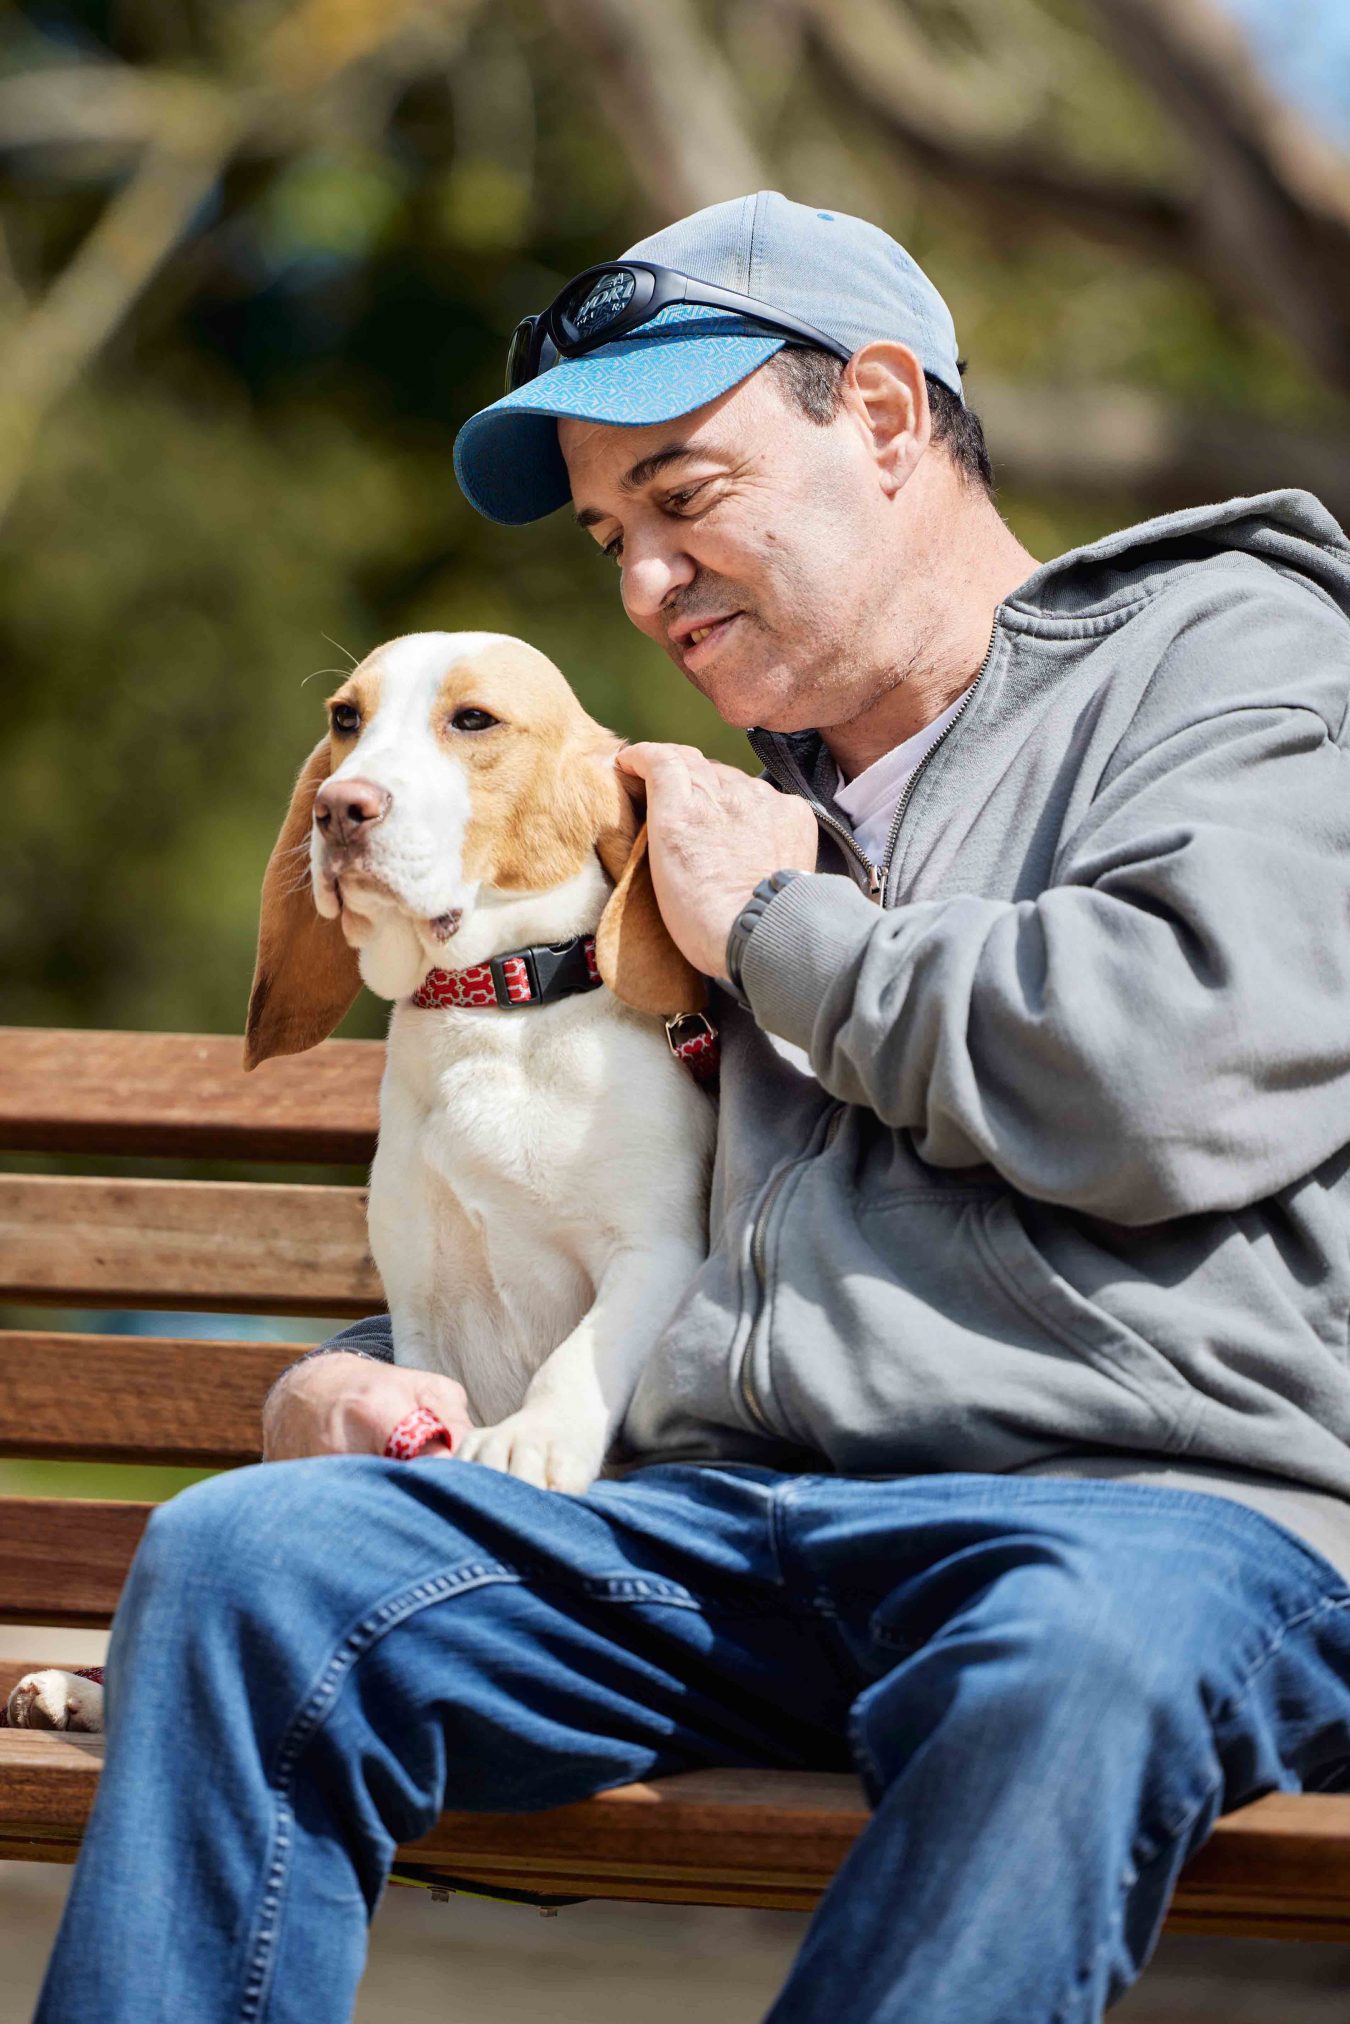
538	1196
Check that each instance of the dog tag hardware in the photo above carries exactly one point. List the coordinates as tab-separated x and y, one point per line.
694	1041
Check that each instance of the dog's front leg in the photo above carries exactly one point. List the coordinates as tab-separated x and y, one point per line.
580	1393
404	1214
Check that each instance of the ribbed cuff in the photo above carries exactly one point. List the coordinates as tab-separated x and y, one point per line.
372	1337
801	941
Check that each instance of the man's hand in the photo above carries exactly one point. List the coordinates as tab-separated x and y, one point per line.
349	1405
713	833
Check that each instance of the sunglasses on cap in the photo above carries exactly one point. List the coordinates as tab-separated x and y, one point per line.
611	301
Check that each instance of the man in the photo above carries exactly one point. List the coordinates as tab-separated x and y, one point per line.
1001	1447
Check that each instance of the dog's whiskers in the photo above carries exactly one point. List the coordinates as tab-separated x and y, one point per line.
341	649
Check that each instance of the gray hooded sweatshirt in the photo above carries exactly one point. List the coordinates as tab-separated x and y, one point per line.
1067	1189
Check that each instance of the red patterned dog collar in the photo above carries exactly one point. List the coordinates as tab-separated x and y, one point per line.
533	976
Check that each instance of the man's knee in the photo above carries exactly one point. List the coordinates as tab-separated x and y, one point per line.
1057	1652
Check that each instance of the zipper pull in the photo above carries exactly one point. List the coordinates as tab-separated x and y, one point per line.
876	879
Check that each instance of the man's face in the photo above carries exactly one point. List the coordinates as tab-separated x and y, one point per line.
777	533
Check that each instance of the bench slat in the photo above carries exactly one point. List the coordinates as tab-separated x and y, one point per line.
186	1094
736	1837
230	1246
63	1560
140	1398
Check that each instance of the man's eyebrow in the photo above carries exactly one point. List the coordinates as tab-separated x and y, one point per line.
642	472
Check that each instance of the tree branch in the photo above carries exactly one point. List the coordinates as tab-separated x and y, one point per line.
1271	204
194	132
865	58
669	97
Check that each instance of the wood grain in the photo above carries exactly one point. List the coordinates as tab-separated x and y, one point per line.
1280	1866
63	1560
185	1094
141	1398
230	1246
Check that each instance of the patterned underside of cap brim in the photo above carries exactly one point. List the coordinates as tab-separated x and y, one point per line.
507	458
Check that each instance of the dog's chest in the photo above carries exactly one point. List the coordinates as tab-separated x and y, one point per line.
497	1193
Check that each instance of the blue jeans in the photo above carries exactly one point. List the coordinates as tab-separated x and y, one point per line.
1050	1689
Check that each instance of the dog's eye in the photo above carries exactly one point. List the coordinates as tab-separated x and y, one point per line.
473	720
346	718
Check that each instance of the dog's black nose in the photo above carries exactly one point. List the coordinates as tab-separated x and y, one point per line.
344	809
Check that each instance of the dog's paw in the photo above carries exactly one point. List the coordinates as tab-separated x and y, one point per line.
55	1700
536	1448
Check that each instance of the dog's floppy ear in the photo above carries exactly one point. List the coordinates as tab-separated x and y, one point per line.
633	949
306	976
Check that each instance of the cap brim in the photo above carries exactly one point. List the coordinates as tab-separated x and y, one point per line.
507	458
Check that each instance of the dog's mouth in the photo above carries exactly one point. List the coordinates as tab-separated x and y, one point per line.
438	927
351	888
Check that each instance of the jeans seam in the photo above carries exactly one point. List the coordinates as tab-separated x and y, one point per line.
780	1497
1326	1606
404	1602
861	1750
1144	1854
1129	1877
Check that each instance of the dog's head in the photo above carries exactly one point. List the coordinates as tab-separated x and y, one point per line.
459	773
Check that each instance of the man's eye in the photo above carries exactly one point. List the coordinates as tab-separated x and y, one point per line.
613	550
346	719
469	719
679	500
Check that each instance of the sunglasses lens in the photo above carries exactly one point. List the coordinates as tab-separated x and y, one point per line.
518	354
598	304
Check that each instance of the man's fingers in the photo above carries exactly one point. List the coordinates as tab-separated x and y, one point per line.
449	1401
652	761
632	783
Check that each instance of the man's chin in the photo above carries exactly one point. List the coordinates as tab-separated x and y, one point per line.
757	702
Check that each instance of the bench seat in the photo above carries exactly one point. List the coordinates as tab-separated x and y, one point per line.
1280	1868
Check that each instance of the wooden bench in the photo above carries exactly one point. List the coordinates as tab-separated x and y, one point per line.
1280	1868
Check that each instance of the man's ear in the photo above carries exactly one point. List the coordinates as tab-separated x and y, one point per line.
633	949
306	976
884	382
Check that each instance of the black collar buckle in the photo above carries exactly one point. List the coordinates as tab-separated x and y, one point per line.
552	970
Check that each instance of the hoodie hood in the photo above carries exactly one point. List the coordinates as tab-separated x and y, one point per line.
1290	531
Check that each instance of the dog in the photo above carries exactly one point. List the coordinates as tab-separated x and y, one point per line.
538	1198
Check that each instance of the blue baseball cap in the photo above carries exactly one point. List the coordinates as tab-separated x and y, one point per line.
848	279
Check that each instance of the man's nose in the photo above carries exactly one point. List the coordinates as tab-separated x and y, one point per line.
347	809
649	577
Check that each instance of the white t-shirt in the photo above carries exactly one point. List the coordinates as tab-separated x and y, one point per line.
870	803
870	800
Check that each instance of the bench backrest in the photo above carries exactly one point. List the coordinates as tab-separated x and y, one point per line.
109	1241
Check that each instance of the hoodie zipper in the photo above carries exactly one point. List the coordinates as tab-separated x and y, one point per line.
917	774
759	1260
878	875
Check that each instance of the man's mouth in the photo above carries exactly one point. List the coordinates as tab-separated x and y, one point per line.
702	641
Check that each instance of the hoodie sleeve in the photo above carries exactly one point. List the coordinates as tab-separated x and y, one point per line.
1165	1030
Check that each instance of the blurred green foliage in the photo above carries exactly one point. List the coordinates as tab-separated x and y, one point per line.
253	481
